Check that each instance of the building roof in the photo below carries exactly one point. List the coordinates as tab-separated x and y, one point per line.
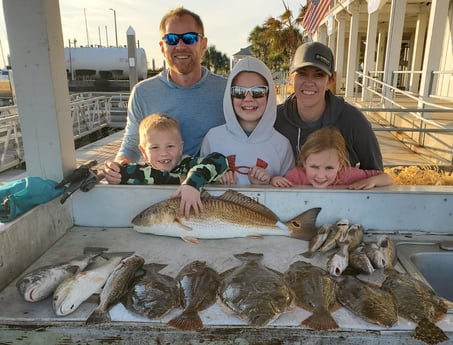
244	51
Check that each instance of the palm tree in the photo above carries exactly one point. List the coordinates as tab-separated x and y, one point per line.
277	39
260	45
216	61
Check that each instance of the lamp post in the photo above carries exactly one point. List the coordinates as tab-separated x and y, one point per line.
116	31
106	37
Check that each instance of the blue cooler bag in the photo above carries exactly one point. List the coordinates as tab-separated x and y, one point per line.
19	196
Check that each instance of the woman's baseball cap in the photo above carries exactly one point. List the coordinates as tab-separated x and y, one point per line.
313	54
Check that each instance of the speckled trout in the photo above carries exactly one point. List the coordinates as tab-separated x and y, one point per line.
229	215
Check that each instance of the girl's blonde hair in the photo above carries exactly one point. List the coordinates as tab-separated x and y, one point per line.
157	121
323	139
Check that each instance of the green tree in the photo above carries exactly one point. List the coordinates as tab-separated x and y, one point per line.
216	61
278	38
260	44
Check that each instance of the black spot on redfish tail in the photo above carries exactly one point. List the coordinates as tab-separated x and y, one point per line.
303	226
429	333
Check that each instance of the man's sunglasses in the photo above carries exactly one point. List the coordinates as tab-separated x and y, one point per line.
255	91
187	38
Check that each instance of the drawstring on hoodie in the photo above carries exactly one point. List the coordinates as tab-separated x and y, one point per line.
298	141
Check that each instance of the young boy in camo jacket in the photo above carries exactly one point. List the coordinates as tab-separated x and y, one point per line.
161	145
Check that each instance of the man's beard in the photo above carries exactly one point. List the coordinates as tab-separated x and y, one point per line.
184	68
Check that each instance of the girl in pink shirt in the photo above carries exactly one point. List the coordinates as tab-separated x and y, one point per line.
323	162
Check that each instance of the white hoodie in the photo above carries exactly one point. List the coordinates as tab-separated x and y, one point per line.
264	143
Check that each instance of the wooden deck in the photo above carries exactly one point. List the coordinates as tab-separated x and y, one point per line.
102	150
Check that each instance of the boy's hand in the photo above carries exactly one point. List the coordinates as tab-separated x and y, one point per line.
228	177
190	198
112	171
259	175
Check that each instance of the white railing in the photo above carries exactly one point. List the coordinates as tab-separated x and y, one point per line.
427	123
10	138
89	113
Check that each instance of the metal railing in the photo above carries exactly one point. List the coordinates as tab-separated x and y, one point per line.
89	115
430	125
10	138
397	109
90	112
440	82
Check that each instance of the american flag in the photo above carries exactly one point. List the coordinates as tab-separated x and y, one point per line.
317	10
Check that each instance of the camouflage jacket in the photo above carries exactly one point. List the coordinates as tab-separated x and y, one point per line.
193	171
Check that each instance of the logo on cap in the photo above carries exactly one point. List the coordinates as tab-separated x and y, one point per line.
323	59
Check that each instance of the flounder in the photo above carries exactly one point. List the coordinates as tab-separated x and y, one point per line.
153	294
419	303
314	290
198	285
255	292
369	302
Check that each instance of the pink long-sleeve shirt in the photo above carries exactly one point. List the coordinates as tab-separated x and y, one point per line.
345	176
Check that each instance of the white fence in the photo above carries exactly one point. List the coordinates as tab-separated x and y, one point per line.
10	138
89	113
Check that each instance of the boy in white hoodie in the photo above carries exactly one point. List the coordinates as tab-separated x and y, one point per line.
255	150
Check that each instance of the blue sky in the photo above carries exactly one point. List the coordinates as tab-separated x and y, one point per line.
227	23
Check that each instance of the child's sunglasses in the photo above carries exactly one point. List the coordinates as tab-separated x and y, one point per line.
255	91
187	38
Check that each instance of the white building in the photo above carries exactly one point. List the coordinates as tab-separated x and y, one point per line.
407	44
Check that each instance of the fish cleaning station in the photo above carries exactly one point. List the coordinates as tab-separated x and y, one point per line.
417	219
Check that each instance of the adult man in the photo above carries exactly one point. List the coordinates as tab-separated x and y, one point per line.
186	91
313	105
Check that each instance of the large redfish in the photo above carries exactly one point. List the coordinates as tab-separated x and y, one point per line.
229	215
